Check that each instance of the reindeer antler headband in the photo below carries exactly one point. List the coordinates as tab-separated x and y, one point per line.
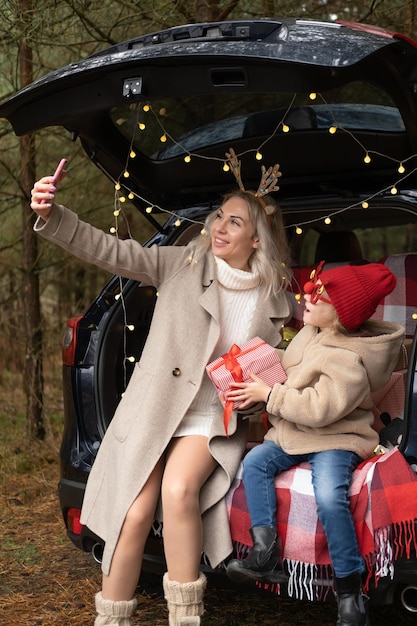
268	182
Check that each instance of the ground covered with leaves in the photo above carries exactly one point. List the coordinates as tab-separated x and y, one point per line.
45	580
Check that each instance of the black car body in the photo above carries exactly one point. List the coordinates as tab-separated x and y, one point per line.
334	103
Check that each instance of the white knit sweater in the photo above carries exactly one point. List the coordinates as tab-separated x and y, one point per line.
239	292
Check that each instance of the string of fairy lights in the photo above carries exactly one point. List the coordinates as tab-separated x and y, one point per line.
124	192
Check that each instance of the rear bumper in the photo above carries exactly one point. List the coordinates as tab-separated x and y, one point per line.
71	495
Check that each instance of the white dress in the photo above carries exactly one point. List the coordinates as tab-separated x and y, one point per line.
239	292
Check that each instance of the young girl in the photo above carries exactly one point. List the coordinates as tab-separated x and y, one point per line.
167	440
322	414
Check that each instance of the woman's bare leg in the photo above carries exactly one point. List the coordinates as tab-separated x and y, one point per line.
121	582
188	466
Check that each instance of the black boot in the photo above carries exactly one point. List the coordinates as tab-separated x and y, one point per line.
264	561
351	605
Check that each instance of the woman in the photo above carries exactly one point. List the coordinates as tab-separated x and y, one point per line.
166	443
322	414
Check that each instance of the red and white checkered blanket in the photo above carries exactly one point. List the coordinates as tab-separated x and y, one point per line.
383	498
401	304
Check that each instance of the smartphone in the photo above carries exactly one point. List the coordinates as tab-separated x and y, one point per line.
57	173
59	169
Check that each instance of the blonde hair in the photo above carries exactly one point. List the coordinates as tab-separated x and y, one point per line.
270	260
338	327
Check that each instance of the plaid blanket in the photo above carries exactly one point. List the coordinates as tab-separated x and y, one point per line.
401	304
383	498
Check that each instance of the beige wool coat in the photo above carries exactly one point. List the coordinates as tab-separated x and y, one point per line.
183	334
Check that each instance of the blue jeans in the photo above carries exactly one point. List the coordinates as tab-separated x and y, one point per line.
331	477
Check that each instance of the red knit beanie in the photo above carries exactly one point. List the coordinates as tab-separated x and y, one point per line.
356	290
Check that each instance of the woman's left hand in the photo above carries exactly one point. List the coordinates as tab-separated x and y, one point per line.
250	392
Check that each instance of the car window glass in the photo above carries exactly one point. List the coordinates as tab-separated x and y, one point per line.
169	127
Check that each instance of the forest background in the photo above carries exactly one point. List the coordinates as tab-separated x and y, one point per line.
41	287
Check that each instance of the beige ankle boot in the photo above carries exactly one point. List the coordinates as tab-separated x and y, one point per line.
110	613
185	600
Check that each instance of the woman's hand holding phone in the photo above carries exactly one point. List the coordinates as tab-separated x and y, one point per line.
44	190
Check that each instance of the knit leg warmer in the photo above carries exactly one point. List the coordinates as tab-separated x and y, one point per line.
110	613
185	600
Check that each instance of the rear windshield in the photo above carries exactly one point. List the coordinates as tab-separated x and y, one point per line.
171	127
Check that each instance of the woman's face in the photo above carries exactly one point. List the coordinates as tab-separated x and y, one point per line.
233	237
320	313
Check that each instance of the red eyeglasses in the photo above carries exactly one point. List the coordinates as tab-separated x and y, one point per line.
313	289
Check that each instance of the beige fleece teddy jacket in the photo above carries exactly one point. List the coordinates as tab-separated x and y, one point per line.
326	401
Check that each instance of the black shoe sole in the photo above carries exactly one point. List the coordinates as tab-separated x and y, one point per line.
239	575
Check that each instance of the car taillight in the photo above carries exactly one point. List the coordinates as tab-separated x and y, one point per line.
69	341
376	30
367	28
73	521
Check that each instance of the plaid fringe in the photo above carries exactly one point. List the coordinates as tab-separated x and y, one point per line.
308	581
301	583
391	543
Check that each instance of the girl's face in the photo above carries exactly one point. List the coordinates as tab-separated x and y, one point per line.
233	237
318	310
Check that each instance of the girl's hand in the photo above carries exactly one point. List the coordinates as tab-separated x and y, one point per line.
43	193
250	392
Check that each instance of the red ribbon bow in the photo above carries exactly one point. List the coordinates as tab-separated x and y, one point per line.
232	364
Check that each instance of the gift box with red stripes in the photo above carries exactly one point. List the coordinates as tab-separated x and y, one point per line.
254	356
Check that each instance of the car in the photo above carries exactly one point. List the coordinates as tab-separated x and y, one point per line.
336	105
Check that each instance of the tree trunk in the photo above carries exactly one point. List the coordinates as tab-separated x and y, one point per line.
37	424
207	10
